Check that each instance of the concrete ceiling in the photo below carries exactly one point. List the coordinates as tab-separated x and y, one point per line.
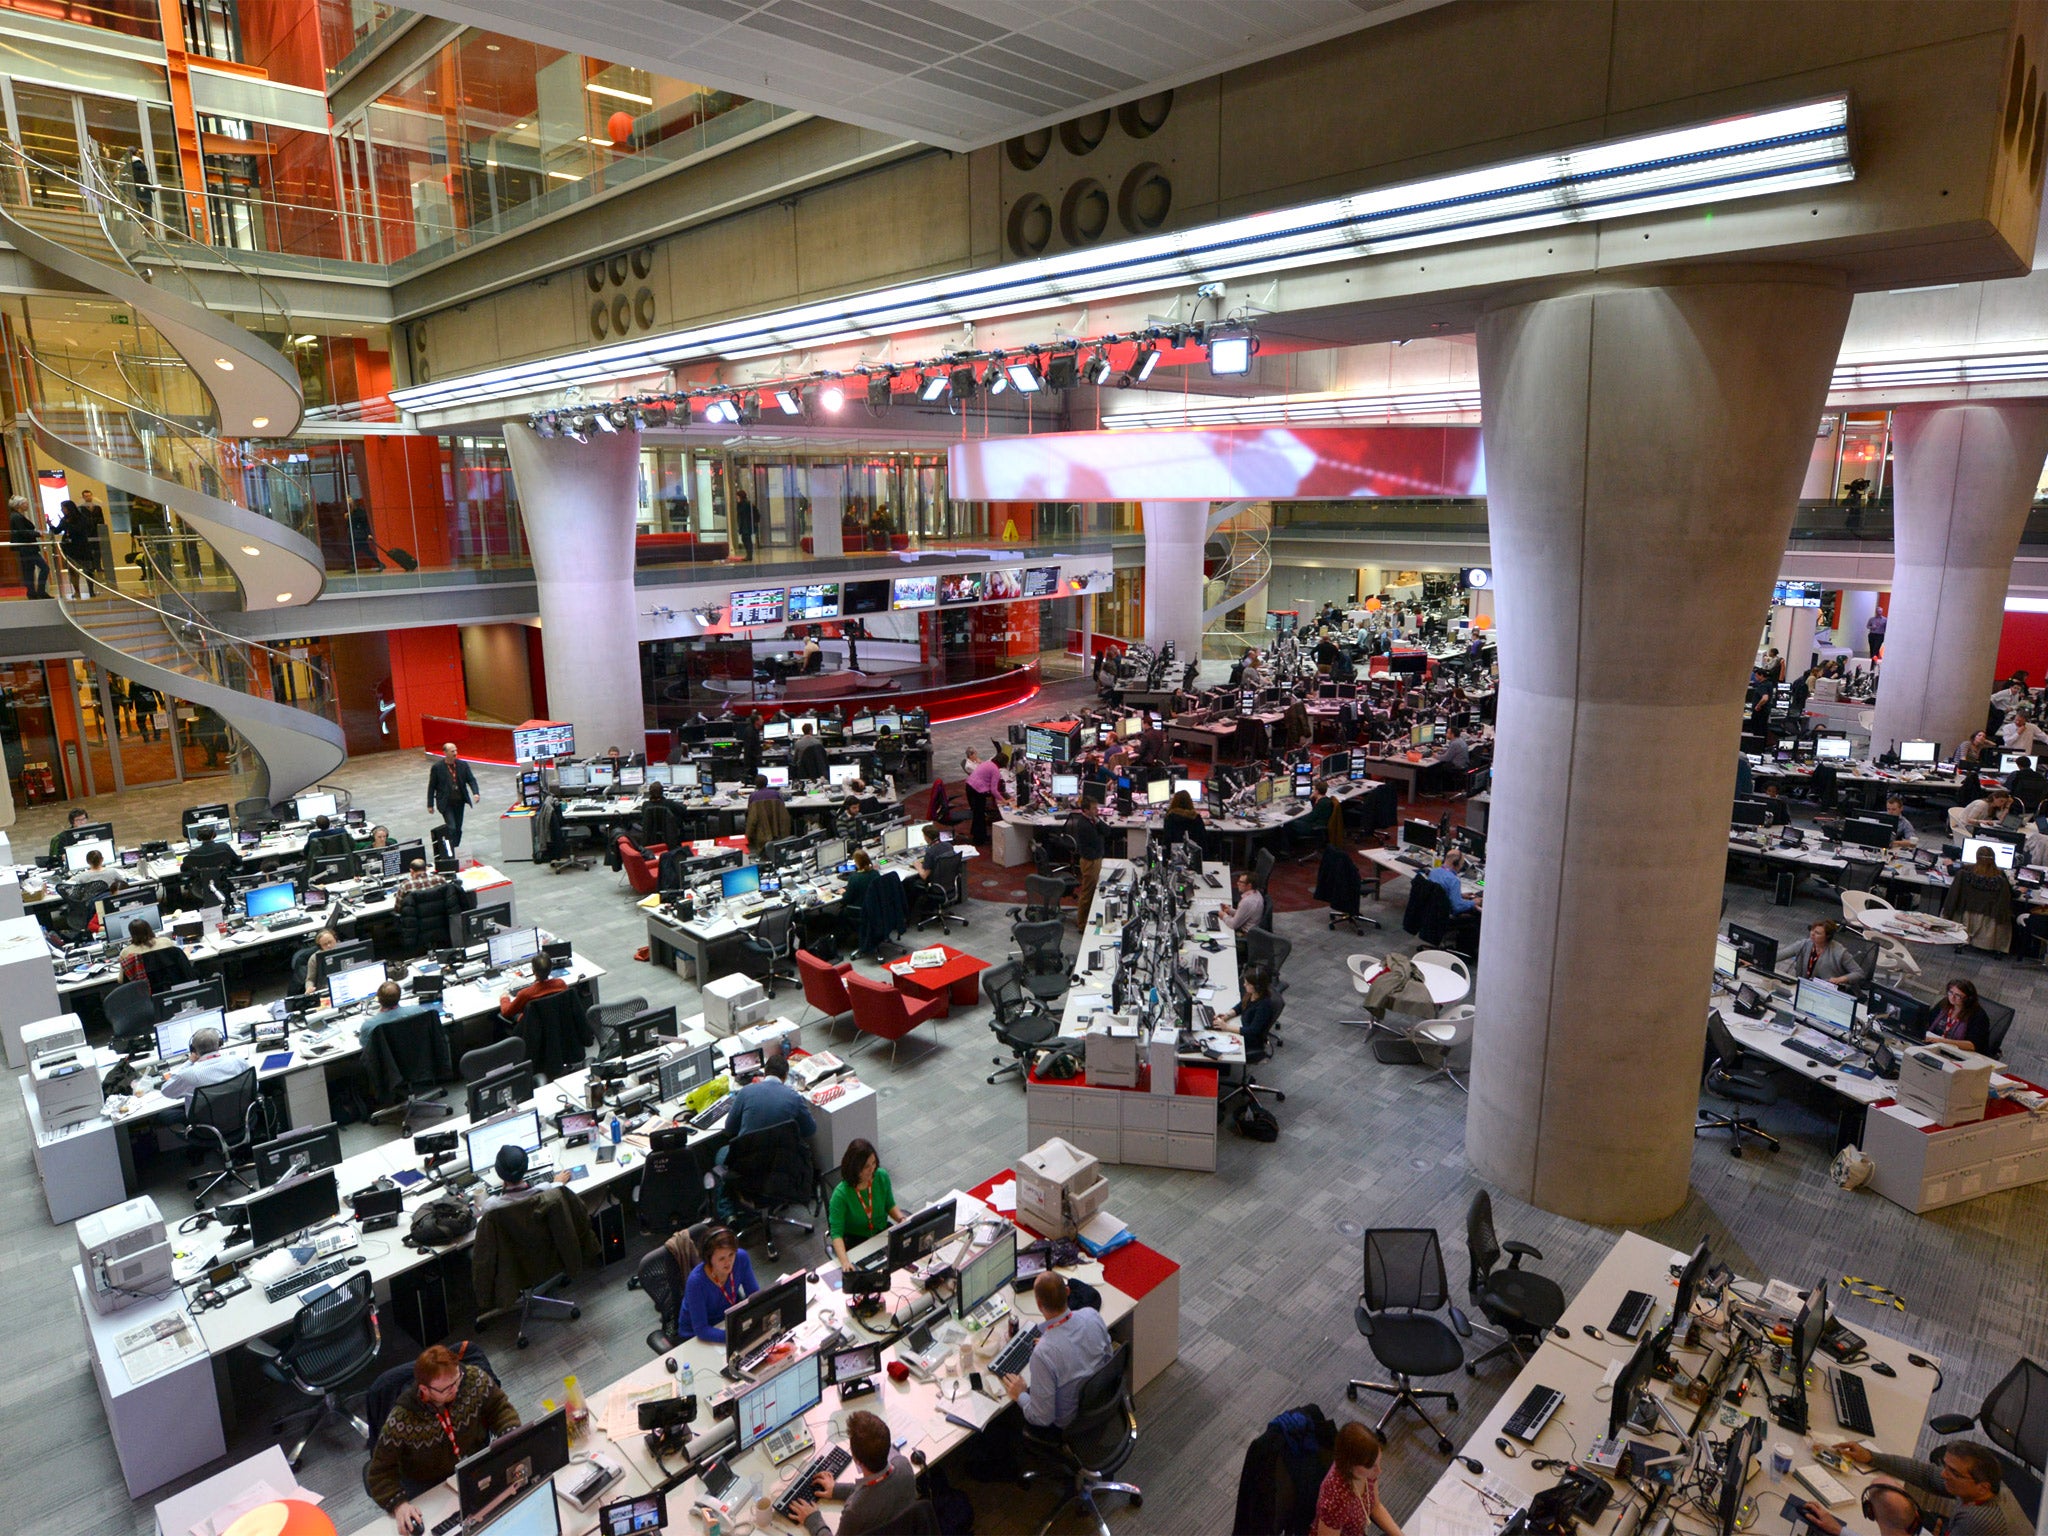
955	73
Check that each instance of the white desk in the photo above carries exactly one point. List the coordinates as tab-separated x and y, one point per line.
28	982
177	1515
163	1427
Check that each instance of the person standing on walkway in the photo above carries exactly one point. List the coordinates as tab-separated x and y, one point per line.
744	520
28	548
451	789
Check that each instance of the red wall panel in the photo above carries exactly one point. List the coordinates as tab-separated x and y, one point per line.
426	678
2023	646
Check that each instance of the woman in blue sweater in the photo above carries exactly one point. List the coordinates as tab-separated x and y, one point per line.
723	1280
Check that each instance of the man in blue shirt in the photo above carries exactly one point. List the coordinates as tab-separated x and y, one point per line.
1465	911
1072	1347
769	1100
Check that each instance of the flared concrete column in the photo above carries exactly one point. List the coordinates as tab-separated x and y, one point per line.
1644	448
1175	532
576	501
1965	478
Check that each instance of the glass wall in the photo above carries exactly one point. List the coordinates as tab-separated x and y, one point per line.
133	18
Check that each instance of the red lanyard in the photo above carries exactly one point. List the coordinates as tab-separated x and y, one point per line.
867	1203
731	1292
448	1428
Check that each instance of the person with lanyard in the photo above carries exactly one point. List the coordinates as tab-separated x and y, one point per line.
450	1411
1818	956
1089	848
875	1500
721	1281
1072	1347
451	790
863	1202
1961	1021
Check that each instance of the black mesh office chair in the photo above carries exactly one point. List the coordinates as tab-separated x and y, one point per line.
662	1279
227	1119
1042	898
1042	962
1520	1303
949	878
1093	1448
415	1051
675	1187
768	1173
486	1059
332	1342
1999	1017
1022	1024
770	949
255	814
1048	851
600	1017
1405	1286
172	967
132	1013
2014	1418
1740	1078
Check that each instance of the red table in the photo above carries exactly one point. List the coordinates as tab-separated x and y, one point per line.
955	980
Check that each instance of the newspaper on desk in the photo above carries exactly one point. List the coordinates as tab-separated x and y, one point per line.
620	1421
154	1348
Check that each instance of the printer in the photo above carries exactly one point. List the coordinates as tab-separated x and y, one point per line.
125	1255
1111	1051
53	1035
1946	1085
67	1087
730	1003
1059	1188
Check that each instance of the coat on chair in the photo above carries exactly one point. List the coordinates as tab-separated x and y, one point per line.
528	1242
1337	882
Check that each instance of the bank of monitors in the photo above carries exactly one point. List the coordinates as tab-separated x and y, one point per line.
2001	851
1192	788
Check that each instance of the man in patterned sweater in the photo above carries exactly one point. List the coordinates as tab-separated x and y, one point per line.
450	1411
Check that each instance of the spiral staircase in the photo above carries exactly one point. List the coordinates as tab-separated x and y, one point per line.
1239	551
195	418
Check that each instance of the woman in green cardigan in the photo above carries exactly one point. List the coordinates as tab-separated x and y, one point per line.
863	1202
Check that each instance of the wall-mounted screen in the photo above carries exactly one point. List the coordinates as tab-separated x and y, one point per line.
814	600
915	592
532	744
865	597
762	605
963	587
1041	581
1007	584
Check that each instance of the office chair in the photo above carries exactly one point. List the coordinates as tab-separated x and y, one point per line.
2014	1418
1731	1075
226	1118
1093	1448
662	1279
1262	870
1047	850
1522	1305
1043	961
1447	1038
521	1255
132	1014
675	1187
486	1059
824	986
600	1017
332	1341
81	906
427	918
767	1173
1022	1024
554	1032
413	1049
770	949
167	968
949	878
1404	1287
1999	1016
1247	1088
1043	896
1264	947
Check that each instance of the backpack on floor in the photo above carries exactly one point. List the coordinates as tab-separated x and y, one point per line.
1257	1122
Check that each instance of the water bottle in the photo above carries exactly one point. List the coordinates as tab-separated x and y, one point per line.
687	1376
618	1132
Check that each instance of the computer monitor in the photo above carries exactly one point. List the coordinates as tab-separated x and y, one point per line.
1759	951
313	1150
174	1035
485	921
355	984
209	992
1751	813
518	1127
789	1394
831	853
861	725
1824	1001
1868	832
1192	788
775	730
1918	751
308	806
684	775
915	1236
1263	794
572	775
1689	1277
603	773
1831	749
744	881
684	1073
888	720
1725	958
2000	850
499	1090
283	1209
1066	786
506	949
777	1309
631	1036
1634	1377
633	1514
76	853
397	858
88	832
989	1271
1743	1446
842	773
491	1478
114	921
1418	834
1898	1013
1158	791
534	1512
778	778
269	900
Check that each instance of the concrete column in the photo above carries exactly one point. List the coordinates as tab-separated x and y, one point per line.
1175	532
1966	476
1644	447
576	501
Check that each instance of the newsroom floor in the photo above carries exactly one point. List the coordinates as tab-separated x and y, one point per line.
1269	1244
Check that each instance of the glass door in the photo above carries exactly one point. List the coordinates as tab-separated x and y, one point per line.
49	134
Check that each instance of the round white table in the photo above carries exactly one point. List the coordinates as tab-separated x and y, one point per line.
1914	927
1445	985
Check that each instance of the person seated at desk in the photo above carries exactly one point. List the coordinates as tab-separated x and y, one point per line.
391	1006
769	1100
1819	956
1981	899
143	940
881	1493
2020	734
545	983
1181	820
1457	750
1776	812
1243	915
58	841
723	1279
660	826
1072	1347
1465	911
418	877
858	881
450	1411
206	1065
863	1201
1965	1475
2027	785
1348	1502
1890	1509
327	841
809	762
1987	812
1253	1016
209	857
309	961
1903	832
513	1189
1960	1021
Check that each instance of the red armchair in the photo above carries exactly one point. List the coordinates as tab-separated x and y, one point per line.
887	1014
643	870
824	985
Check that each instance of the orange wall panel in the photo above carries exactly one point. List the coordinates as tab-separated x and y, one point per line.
408	509
426	678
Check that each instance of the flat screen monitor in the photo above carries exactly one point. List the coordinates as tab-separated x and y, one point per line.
2000	850
1725	958
115	922
757	605
632	775
744	881
659	773
533	1513
963	587
356	984
1158	791
1689	1277
628	1516
842	773
269	900
831	853
1831	749
395	859
277	1213
915	1236
1065	786
485	921
774	1310
865	597
514	1462
1192	788
684	775
789	1394
498	1091
174	1035
603	773
1743	1446
1263	794
1916	751
1866	832
988	1271
631	1036
686	1072
1041	581
775	730
1751	813
1418	834
1304	781
861	726
508	949
1759	951
1131	725
1809	1328
798	722
310	806
812	601
1634	1377
573	775
313	1150
894	840
914	592
1898	1013
1003	584
519	1127
889	720
778	778
2009	762
76	854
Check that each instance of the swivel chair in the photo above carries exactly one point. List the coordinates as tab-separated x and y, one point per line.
949	878
2014	1418
1043	961
1445	1043
887	1012
418	1050
1522	1305
767	1173
1405	1286
486	1059
1247	1088
1042	900
1022	1024
1093	1448
599	1018
770	950
332	1341
132	1014
1731	1075
167	968
226	1118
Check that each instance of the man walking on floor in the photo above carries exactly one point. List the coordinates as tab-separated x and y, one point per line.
451	789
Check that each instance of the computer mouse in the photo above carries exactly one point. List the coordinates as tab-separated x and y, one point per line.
355	1259
1591	1332
1562	1333
1882	1368
671	1363
1473	1465
1922	1361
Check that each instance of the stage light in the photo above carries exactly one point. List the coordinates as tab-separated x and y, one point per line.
994	379
963	383
1230	352
789	402
1024	375
1096	371
878	390
935	385
577	427
1146	360
832	397
547	425
604	422
1063	370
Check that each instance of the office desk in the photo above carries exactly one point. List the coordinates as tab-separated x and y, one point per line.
28	982
162	1426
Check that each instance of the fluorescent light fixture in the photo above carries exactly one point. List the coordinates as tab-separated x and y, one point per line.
252	551
787	402
1147	359
1024	376
1230	354
934	386
1751	154
1950	370
618	95
2026	605
1301	410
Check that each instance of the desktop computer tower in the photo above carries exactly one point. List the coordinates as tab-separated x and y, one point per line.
609	1222
419	1303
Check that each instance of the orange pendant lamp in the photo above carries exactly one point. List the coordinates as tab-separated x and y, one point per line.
283	1517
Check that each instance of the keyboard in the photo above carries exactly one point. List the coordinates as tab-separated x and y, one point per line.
831	1463
1527	1421
443	1527
1630	1316
1852	1404
711	1114
1017	1353
305	1279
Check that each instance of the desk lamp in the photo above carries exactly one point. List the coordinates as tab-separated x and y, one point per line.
283	1517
